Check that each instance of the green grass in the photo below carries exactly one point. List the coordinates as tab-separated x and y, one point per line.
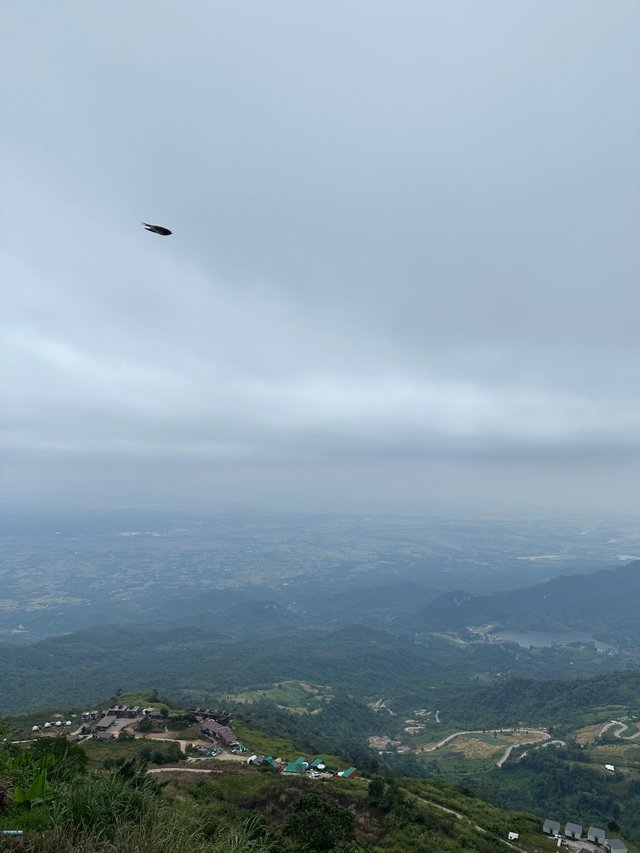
292	695
233	786
143	700
265	744
99	751
20	725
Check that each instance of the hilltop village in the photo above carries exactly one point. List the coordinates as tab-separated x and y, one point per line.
201	733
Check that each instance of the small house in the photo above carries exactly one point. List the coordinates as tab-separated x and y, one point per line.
551	827
297	766
610	768
513	836
103	735
573	830
614	845
596	835
222	733
349	773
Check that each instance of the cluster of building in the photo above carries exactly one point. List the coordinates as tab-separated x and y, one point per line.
48	726
124	712
594	834
215	724
120	712
211	714
316	769
114	719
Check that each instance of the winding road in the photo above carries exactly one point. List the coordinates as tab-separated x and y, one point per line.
540	733
622	727
541	745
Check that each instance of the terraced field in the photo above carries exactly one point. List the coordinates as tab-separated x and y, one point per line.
298	697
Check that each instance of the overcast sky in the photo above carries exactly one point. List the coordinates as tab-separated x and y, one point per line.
405	269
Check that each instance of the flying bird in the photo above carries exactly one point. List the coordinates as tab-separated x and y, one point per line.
157	229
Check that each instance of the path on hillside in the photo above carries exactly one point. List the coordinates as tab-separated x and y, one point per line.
507	753
181	770
159	736
542	745
622	727
164	739
460	816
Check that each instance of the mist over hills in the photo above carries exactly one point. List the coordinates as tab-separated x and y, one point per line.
62	572
210	654
604	602
377	603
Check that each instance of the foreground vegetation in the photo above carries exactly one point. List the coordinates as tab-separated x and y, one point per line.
566	780
65	801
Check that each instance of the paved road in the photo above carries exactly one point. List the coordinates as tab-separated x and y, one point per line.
543	735
181	770
622	727
507	753
542	745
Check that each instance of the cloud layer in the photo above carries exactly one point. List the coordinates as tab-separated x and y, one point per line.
404	256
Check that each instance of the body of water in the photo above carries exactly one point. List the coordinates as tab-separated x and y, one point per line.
549	638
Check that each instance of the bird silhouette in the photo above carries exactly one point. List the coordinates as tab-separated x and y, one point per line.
157	229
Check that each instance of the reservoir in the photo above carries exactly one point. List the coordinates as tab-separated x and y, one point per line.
549	638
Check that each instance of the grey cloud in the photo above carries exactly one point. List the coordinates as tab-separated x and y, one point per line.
399	230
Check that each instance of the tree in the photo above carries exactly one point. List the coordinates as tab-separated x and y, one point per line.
67	759
145	753
375	792
320	822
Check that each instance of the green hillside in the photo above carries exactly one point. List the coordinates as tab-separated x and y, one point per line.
64	801
603	603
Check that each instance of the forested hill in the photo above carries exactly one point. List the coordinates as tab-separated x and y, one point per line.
604	603
549	703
